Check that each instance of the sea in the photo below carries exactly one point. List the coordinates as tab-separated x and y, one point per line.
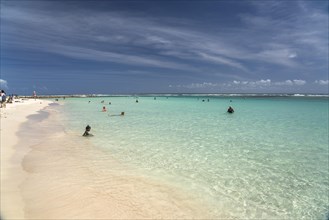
267	160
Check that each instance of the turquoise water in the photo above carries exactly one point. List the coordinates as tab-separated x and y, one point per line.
267	160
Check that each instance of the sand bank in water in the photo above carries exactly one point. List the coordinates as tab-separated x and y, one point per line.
63	176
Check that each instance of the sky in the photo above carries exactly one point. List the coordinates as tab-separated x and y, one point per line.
174	46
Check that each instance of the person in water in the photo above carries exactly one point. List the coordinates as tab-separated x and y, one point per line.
230	110
104	109
121	114
88	128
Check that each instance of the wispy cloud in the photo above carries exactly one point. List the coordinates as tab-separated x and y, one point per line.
322	82
106	56
222	60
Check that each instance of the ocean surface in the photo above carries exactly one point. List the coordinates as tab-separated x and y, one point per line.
269	159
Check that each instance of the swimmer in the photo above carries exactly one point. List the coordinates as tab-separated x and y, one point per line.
88	128
121	114
230	110
104	109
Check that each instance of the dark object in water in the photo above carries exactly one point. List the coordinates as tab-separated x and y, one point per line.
88	128
121	114
230	110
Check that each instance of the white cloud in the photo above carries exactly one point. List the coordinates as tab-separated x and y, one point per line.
3	84
246	85
299	82
268	82
322	82
263	82
284	83
292	55
200	85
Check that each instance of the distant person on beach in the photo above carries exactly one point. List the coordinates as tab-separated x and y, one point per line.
3	99
230	110
10	99
88	128
34	94
104	109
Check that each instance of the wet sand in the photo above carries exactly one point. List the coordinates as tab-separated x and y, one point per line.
48	173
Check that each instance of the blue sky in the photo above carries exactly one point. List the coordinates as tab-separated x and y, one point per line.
84	47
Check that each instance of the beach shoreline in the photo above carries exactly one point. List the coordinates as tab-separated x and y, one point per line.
47	173
128	171
12	174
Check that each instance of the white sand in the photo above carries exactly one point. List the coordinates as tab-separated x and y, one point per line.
60	176
12	174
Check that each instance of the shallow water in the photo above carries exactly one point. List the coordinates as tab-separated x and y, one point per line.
68	177
267	160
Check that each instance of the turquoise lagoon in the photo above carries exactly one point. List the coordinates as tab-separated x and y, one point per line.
267	160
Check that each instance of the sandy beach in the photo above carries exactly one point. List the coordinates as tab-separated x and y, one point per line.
12	174
43	178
